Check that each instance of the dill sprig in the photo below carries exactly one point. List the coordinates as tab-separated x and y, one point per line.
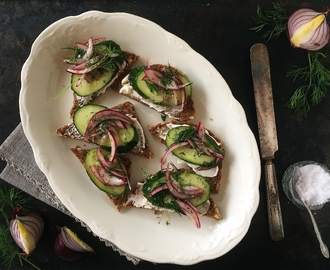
185	134
316	75
10	198
8	248
169	73
273	22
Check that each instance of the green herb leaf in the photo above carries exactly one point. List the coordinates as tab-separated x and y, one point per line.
13	197
8	248
185	134
273	22
316	76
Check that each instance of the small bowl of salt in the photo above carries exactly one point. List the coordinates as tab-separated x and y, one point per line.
307	185
308	181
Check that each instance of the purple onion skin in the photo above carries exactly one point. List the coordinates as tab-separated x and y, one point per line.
66	253
326	10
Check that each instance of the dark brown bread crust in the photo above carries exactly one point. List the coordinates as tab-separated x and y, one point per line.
126	108
130	59
187	114
118	201
213	211
160	128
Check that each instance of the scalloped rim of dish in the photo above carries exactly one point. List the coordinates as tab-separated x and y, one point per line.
237	204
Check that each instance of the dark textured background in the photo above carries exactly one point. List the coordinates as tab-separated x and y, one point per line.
219	30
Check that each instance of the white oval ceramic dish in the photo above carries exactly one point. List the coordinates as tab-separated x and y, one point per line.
138	231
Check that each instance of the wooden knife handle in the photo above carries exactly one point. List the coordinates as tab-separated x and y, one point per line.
273	203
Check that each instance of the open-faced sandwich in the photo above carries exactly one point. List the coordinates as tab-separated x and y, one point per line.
95	65
176	190
116	129
193	144
161	87
108	172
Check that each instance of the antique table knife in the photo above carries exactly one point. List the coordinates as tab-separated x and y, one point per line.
267	134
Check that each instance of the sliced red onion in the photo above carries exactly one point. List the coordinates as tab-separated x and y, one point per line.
104	163
154	76
157	189
185	194
200	130
308	29
120	124
217	155
107	178
190	212
192	191
90	48
85	67
113	145
84	46
125	173
184	99
104	115
69	247
169	150
114	179
26	230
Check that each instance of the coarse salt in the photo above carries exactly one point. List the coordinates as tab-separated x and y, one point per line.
313	185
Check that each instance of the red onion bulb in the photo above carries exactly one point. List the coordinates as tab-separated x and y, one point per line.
69	247
308	29
26	230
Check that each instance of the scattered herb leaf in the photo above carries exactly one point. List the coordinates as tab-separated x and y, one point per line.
273	22
316	75
185	134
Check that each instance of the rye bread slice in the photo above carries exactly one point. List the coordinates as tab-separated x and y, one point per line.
78	101
118	201
187	114
163	128
137	194
70	131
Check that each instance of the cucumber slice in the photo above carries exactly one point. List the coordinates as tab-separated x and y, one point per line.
153	92
191	155
98	79
127	139
165	199
83	114
94	82
192	179
92	160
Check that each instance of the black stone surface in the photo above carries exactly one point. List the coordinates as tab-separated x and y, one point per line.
218	30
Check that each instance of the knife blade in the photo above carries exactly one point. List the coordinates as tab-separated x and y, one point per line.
263	94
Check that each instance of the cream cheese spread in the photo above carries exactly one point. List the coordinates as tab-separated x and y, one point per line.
127	89
138	200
